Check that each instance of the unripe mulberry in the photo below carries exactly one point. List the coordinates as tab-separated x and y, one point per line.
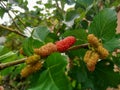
103	52
66	43
32	59
87	56
93	59
91	68
93	40
46	49
27	71
37	66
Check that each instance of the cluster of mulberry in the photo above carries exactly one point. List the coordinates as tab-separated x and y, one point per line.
92	56
33	64
66	43
46	49
94	42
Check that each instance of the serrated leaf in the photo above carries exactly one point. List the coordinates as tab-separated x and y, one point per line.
54	77
104	75
104	24
40	33
112	44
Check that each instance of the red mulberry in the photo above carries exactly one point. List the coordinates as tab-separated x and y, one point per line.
64	44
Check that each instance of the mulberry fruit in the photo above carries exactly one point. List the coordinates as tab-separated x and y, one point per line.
37	66
32	59
103	52
87	56
46	49
27	71
93	40
64	44
70	40
93	59
91	68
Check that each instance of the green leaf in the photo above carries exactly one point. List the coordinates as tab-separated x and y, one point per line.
116	61
29	44
112	44
69	2
1	48
27	47
81	35
40	33
54	77
2	11
104	75
79	72
71	15
10	55
104	24
85	3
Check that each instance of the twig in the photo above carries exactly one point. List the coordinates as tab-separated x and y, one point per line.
18	18
7	10
8	64
59	9
12	30
78	46
14	21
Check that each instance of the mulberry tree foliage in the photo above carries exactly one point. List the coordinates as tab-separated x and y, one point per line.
59	45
